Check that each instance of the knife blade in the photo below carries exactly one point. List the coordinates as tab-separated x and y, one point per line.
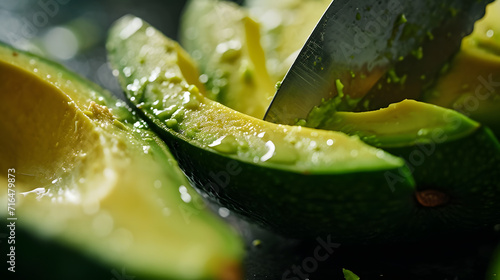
368	54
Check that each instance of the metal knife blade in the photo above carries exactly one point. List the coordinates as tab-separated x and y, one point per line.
359	45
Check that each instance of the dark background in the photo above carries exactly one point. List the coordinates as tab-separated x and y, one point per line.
73	33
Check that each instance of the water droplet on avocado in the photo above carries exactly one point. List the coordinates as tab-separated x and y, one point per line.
154	74
490	33
203	78
224	212
127	71
150	31
185	196
313	144
225	144
40	192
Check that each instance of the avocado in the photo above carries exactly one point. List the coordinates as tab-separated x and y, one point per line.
297	181
471	80
232	61
85	172
454	160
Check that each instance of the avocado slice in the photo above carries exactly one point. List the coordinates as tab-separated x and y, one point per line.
471	80
454	160
402	124
232	60
297	181
90	175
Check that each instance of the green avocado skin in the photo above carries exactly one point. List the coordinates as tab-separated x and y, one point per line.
467	171
471	181
71	263
347	216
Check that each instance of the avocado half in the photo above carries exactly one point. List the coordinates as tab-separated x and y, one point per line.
85	172
304	182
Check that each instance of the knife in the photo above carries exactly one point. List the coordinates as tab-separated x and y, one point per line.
366	54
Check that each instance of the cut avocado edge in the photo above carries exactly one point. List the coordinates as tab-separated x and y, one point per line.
82	158
258	169
405	123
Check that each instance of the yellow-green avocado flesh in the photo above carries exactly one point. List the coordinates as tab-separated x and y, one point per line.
90	175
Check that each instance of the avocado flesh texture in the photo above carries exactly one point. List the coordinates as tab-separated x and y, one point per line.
230	55
402	124
92	176
261	170
470	85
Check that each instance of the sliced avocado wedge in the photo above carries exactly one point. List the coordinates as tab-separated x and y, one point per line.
403	124
90	175
226	42
454	160
297	181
